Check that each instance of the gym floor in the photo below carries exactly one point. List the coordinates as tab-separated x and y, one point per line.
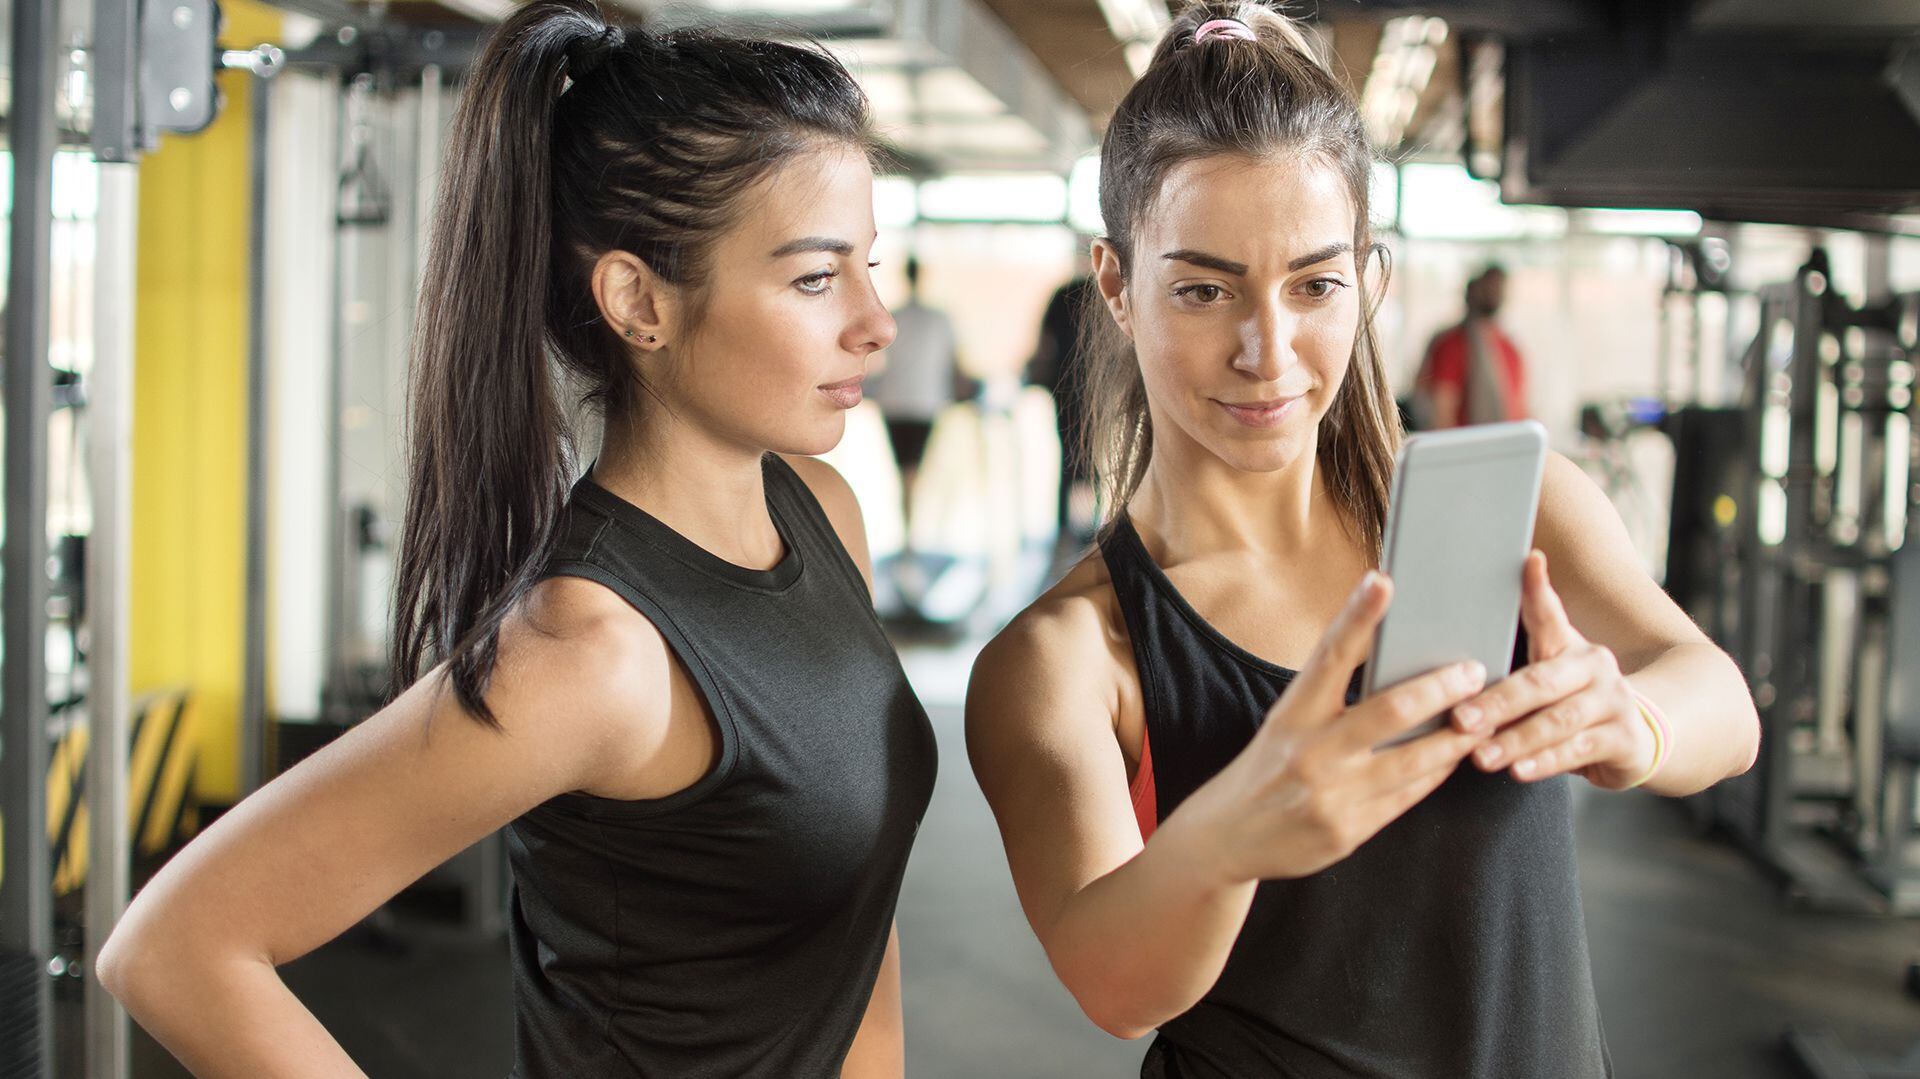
1700	965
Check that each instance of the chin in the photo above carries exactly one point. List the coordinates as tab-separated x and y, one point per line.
818	437
1271	453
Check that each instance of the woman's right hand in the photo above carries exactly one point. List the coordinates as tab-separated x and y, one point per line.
1313	784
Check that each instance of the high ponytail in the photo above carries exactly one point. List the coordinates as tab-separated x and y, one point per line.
572	137
1266	93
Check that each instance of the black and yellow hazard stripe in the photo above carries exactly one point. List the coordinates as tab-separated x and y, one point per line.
160	806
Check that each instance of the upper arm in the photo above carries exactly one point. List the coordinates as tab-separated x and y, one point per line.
1596	570
836	497
1040	736
323	845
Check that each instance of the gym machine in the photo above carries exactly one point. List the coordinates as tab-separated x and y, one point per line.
1790	518
147	69
1790	513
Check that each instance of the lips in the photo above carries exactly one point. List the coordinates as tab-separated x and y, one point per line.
1262	414
845	394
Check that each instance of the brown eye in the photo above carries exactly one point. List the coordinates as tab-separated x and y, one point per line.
1205	294
816	284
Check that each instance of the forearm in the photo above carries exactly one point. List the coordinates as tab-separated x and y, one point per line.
229	1017
1710	717
1145	942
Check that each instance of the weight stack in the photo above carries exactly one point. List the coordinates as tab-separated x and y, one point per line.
23	1026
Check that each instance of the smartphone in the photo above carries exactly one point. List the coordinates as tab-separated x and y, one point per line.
1459	527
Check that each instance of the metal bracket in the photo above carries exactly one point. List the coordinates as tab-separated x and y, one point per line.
156	65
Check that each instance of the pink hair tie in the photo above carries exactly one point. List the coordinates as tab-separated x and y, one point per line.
1223	28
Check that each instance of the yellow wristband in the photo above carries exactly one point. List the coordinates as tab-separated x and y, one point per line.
1662	737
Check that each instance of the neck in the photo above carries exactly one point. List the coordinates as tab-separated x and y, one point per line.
708	489
1195	504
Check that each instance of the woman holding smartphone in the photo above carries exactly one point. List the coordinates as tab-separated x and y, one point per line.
1201	830
665	680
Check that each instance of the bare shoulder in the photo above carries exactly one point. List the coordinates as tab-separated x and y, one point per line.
1572	507
1063	656
842	508
1072	619
827	484
1578	526
585	627
577	660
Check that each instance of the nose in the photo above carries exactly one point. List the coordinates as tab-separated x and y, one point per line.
872	327
1266	342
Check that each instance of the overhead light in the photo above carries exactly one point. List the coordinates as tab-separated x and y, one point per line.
1138	26
895	203
1383	196
1641	222
481	10
1444	202
1402	66
1012	196
1083	197
778	7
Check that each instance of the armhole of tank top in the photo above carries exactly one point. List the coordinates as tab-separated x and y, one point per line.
1130	620
594	805
1142	792
800	499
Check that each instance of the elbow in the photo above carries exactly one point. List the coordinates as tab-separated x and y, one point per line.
133	964
1126	993
1751	755
1748	752
1127	1031
117	966
1120	1013
1116	1021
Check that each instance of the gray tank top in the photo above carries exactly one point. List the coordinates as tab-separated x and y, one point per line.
734	928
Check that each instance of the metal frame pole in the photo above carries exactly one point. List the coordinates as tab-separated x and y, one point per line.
26	891
116	146
109	602
253	697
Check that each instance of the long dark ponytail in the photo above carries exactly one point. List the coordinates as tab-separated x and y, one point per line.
573	137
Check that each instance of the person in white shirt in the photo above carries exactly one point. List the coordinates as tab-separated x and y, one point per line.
917	376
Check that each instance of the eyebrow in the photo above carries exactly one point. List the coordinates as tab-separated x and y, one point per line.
812	243
1239	269
1322	255
1211	262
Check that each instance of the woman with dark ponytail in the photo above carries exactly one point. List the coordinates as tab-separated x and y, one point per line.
663	677
1202	831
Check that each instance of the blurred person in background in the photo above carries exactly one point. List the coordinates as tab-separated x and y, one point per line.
664	678
1472	372
916	377
1207	831
1059	368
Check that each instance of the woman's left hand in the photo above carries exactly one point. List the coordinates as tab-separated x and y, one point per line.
1569	710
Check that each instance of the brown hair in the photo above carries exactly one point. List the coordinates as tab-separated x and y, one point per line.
572	138
1260	98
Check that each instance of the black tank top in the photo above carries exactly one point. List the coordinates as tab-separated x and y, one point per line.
734	928
1449	946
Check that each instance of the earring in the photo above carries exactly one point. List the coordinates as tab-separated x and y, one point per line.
629	333
650	339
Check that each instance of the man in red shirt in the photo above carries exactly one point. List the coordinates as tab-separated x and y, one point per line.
1472	372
